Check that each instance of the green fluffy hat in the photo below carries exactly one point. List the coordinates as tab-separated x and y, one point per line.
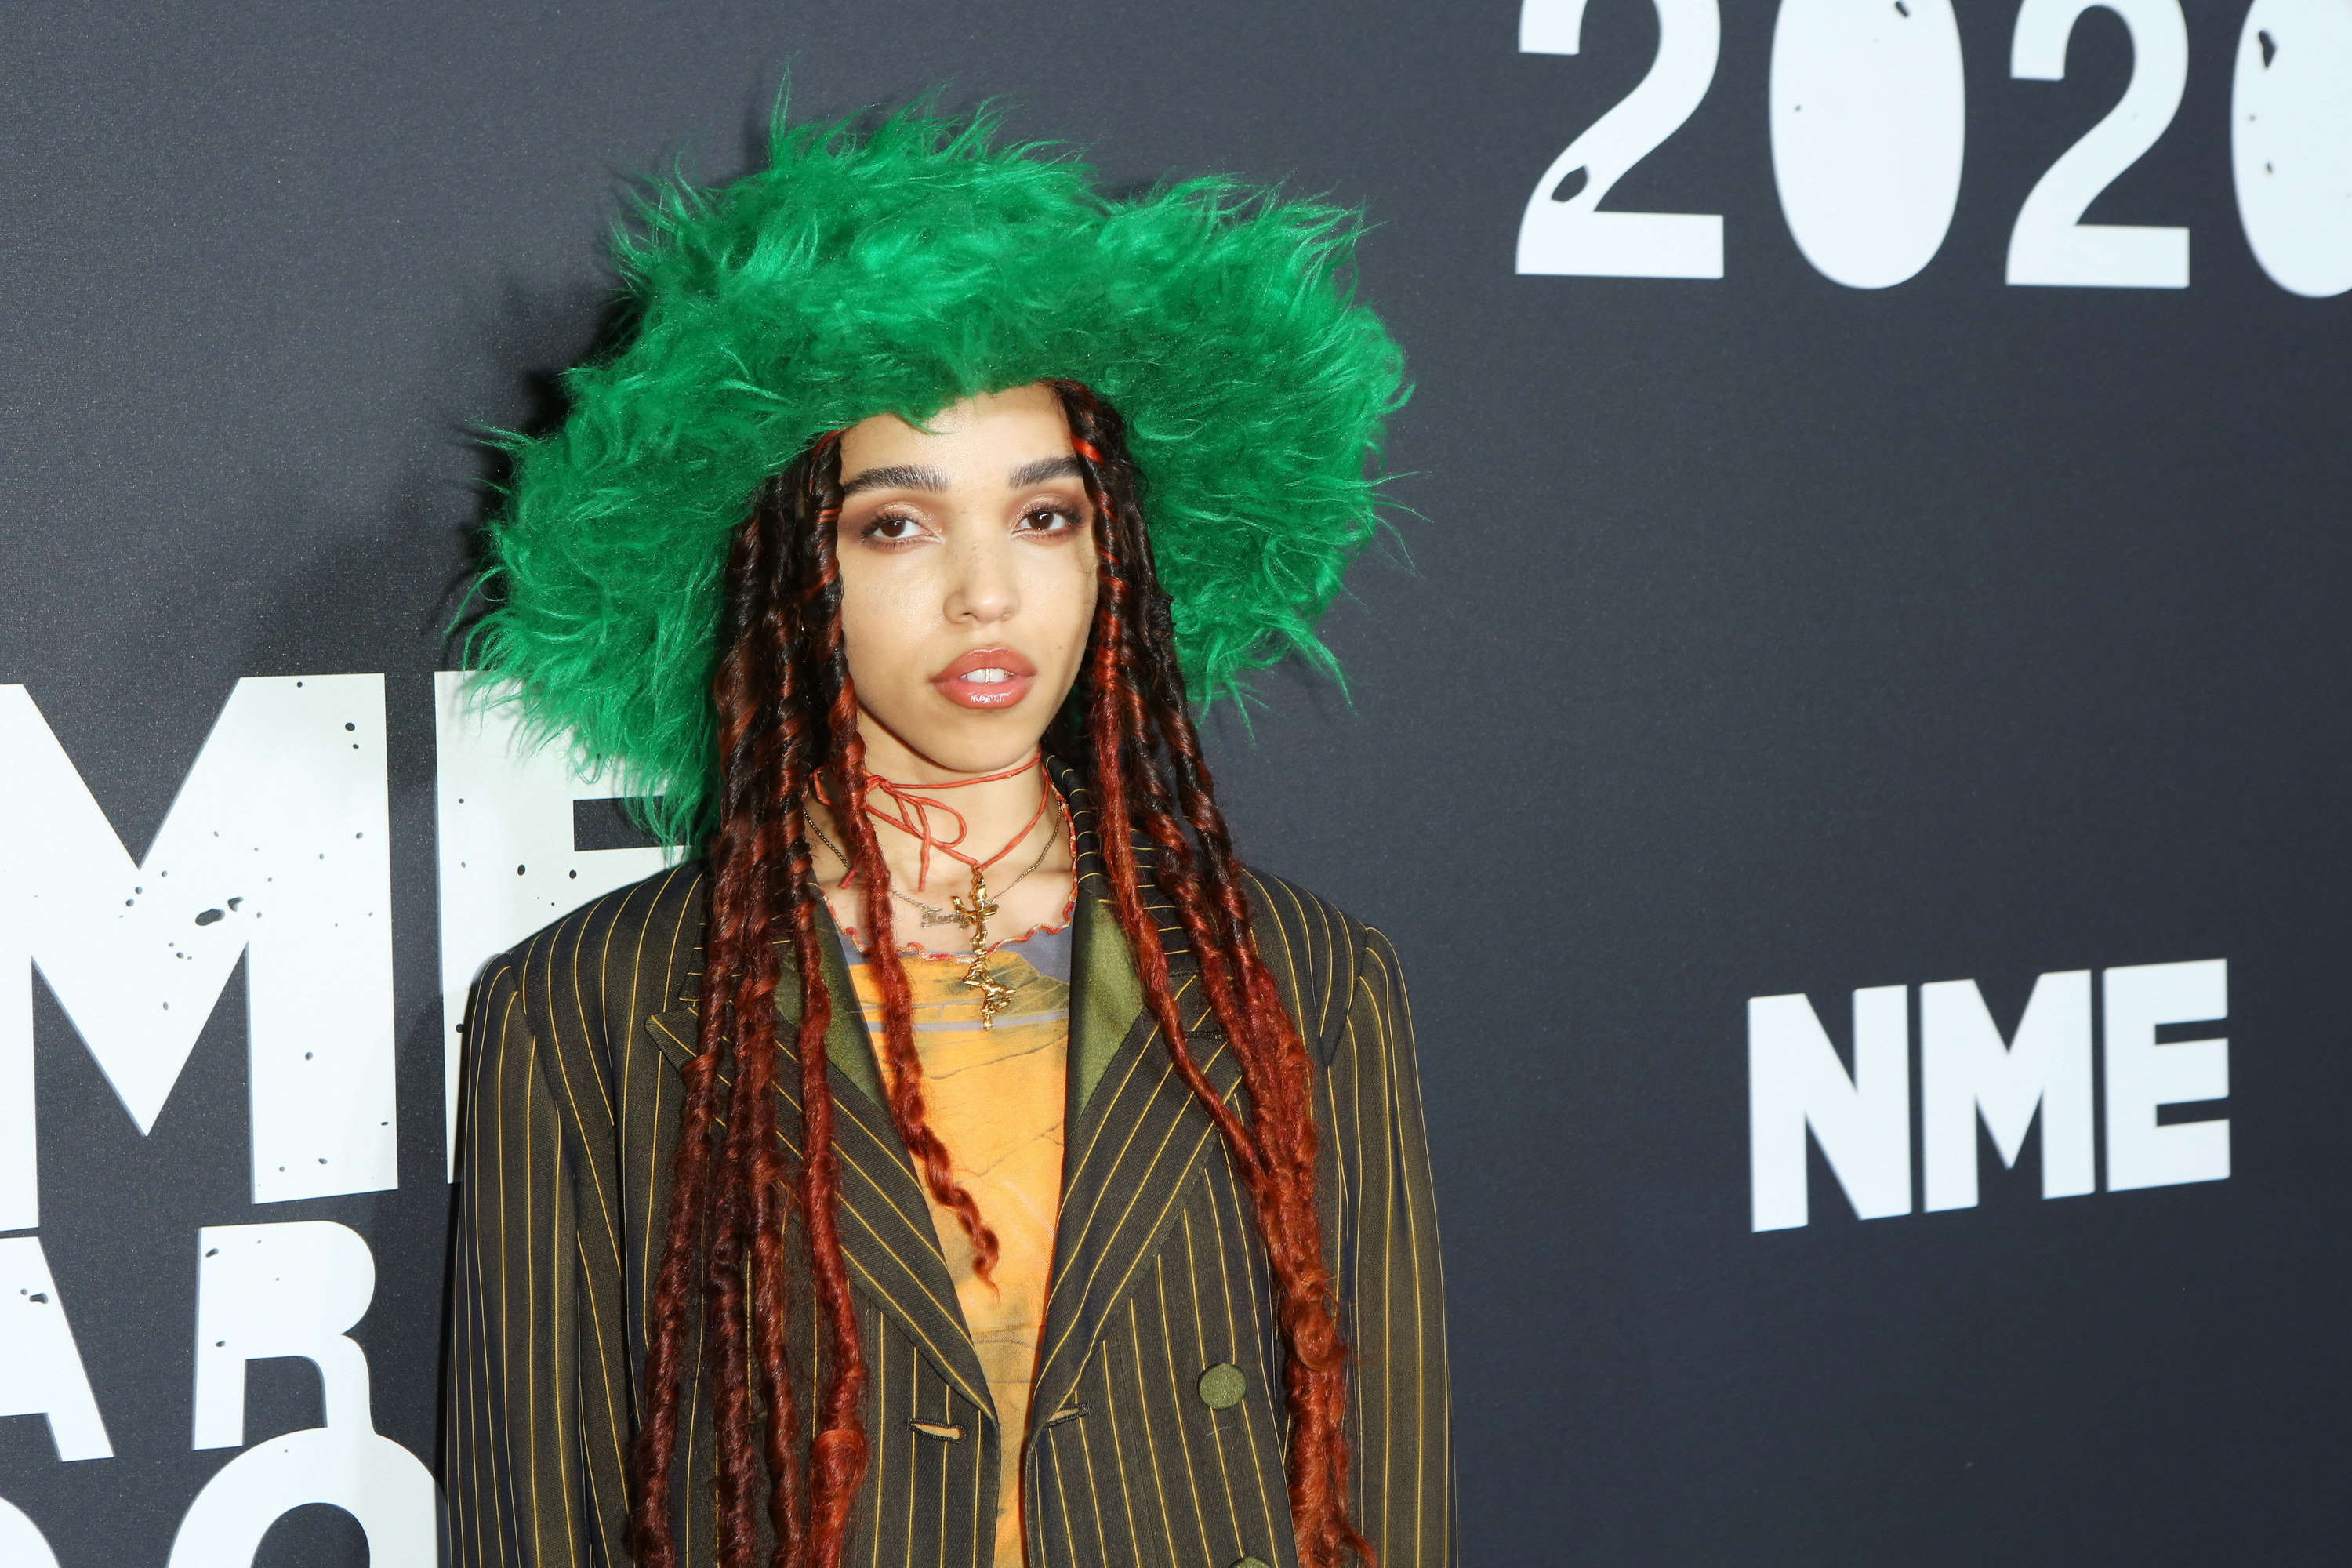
899	269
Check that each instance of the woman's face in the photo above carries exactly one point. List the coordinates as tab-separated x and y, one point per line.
967	580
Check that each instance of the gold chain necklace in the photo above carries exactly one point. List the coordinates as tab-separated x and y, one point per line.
972	915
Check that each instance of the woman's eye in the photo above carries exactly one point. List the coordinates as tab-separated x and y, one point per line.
891	529
1048	519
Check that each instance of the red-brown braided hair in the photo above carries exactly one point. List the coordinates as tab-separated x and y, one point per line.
787	716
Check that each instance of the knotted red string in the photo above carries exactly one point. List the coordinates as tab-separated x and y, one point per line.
914	816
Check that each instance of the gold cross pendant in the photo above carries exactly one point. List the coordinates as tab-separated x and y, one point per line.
974	916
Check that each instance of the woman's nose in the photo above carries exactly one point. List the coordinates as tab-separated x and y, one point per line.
982	590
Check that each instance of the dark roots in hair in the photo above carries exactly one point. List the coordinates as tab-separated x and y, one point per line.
787	715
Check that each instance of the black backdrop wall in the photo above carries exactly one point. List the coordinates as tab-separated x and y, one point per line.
1760	636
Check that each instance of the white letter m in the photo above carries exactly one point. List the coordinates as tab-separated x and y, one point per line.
277	846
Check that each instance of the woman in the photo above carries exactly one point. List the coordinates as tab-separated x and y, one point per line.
967	1161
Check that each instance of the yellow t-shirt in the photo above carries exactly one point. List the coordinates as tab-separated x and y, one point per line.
996	1097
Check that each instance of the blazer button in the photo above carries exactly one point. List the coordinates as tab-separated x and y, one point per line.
1221	1387
1250	1562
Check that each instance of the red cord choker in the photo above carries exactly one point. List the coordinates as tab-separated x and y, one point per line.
914	816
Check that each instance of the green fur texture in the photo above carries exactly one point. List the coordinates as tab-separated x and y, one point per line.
899	269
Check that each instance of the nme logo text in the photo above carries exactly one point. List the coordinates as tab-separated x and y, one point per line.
1797	1086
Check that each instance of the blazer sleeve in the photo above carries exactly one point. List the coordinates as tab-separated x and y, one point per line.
1392	1295
511	1454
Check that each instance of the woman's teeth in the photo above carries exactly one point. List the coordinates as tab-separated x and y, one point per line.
988	677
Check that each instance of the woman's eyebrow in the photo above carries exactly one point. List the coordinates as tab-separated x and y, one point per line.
1064	466
897	477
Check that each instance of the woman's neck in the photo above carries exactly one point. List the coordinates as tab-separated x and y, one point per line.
998	814
1032	885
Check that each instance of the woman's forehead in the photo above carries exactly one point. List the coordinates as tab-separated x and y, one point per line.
968	440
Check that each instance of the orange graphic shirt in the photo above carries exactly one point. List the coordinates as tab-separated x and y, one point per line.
996	1097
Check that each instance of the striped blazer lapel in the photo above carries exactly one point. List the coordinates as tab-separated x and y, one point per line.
886	1227
1137	1141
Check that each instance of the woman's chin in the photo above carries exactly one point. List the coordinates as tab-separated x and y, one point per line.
964	741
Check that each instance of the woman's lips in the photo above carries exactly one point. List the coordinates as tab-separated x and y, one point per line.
986	678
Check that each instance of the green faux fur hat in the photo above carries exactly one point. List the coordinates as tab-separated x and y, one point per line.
899	269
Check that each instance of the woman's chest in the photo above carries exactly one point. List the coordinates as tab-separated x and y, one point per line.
996	1097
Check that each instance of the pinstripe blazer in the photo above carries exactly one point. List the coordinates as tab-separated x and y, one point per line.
1136	1453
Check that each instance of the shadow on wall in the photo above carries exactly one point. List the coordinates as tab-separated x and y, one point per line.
402	577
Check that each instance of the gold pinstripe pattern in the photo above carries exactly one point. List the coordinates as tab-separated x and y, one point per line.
571	1103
